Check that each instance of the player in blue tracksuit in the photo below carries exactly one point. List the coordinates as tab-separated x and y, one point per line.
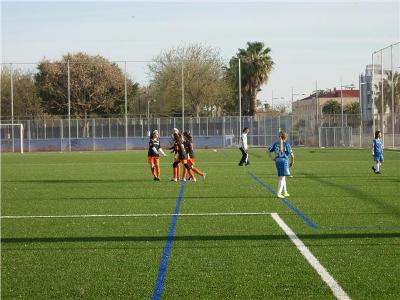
377	152
281	152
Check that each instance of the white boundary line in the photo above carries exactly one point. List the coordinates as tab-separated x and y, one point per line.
140	215
312	260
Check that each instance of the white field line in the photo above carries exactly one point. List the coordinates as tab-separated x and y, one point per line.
312	260
141	215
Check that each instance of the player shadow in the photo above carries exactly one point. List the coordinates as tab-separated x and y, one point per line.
74	181
357	193
202	238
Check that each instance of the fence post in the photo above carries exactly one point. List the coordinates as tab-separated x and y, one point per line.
29	135
109	127
94	133
223	132
334	137
61	134
319	137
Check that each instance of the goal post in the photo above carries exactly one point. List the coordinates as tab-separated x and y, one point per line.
7	134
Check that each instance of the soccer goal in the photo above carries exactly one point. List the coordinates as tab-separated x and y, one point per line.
335	137
12	137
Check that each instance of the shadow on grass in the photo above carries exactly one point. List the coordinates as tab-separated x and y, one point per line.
28	240
357	193
74	181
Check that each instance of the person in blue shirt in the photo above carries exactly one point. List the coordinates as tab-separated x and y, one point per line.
377	152
281	152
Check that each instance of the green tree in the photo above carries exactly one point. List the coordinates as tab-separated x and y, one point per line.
27	102
331	107
352	108
97	86
205	86
256	65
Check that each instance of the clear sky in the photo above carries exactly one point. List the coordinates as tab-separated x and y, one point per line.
310	41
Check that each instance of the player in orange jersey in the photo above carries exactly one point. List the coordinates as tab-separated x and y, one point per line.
190	151
153	155
179	148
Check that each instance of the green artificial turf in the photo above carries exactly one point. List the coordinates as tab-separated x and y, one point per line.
212	256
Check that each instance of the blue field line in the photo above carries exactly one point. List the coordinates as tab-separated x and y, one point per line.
162	271
286	202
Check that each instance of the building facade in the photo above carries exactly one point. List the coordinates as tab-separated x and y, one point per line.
313	104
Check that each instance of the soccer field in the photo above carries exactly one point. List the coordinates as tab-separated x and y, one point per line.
95	225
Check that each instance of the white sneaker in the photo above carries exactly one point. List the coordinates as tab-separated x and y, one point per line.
280	196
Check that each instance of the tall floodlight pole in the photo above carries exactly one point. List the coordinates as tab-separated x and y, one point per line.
12	105
148	117
183	100
69	107
392	112
240	96
316	100
341	98
382	93
373	95
293	94
126	112
361	82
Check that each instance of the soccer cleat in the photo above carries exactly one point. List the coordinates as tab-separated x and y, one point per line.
280	196
286	195
174	179
156	179
193	179
204	176
373	169
247	163
378	172
240	164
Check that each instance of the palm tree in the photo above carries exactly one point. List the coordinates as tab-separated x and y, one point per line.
331	107
388	88
256	66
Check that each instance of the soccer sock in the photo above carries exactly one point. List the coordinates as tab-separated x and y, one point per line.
376	166
191	174
178	172
184	173
197	171
158	171
280	185
284	185
153	171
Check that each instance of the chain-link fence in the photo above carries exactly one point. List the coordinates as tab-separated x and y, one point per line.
136	104
209	132
386	93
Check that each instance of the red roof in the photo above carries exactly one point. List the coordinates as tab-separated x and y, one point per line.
335	94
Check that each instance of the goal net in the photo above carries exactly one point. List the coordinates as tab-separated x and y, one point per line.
12	137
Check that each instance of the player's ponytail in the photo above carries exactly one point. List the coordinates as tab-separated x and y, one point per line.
282	139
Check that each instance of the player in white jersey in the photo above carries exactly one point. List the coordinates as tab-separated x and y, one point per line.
244	148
